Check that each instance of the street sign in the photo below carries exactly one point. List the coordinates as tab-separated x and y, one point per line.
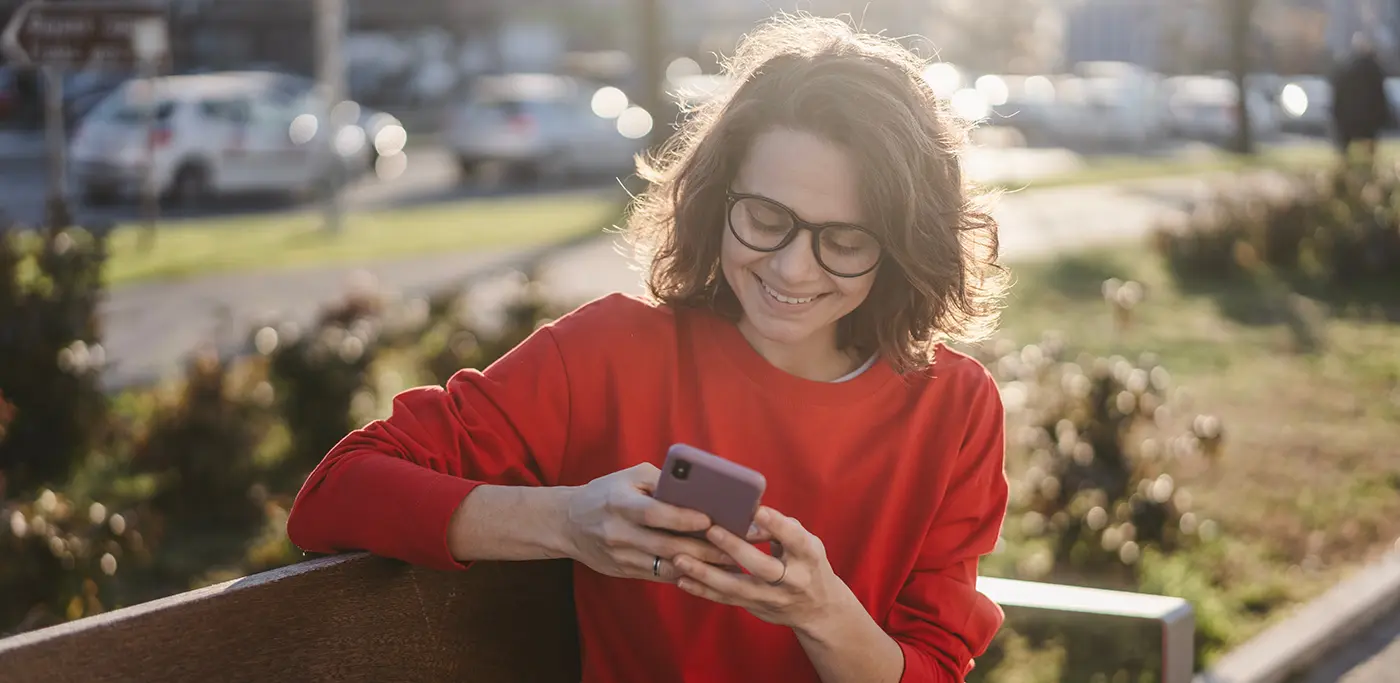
85	35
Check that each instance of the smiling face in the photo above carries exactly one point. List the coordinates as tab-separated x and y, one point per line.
791	305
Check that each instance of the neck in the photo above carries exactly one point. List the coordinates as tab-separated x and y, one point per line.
817	358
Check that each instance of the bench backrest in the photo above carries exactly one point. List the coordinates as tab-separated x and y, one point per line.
352	619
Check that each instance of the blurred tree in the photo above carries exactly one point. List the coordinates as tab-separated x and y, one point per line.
653	64
1238	14
1297	37
995	36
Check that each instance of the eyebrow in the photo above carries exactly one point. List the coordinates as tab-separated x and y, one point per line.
795	212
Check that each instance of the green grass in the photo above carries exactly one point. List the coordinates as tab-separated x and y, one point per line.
1116	168
207	246
1308	485
296	240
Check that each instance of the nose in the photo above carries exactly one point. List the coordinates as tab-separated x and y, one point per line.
796	263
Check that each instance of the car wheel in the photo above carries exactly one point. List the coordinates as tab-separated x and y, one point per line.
468	168
99	196
191	187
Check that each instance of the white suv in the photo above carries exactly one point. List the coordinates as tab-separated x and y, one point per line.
209	134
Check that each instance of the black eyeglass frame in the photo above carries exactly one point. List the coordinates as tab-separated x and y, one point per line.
798	225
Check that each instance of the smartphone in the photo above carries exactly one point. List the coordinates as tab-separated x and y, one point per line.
725	490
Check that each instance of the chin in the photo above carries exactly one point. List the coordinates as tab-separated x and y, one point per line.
789	324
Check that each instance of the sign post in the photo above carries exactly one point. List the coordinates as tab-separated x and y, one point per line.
330	32
150	43
59	38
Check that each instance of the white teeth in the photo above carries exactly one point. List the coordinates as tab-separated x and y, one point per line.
784	299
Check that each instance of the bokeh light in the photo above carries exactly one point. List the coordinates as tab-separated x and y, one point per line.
634	123
1039	89
969	105
303	129
346	112
391	166
682	67
390	140
350	140
1294	100
944	78
609	102
993	89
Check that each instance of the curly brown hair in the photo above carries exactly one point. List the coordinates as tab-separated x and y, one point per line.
867	95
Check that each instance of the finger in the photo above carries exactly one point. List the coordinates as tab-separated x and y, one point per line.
759	563
649	512
788	533
667	545
644	476
736	588
758	534
642	565
700	590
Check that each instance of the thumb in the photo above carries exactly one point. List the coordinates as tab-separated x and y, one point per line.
644	476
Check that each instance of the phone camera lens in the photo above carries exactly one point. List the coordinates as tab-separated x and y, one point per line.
681	470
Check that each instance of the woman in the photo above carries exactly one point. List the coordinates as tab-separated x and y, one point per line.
810	245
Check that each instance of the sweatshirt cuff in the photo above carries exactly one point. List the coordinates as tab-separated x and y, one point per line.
919	667
439	501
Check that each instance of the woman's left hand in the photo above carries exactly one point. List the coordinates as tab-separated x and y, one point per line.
795	588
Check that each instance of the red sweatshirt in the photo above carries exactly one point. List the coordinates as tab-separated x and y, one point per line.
900	477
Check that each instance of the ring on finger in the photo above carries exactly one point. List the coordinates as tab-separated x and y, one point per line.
779	582
656	567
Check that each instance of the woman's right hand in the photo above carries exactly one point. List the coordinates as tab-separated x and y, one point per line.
617	528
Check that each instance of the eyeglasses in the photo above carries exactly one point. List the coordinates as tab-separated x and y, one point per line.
842	249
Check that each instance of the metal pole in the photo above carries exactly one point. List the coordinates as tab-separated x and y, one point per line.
150	44
57	213
652	23
150	207
330	32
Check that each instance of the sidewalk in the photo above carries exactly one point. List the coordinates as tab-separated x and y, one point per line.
150	328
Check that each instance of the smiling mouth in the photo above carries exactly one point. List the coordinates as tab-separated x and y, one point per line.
784	299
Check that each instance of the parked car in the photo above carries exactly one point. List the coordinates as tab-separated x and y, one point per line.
1205	108
539	125
214	134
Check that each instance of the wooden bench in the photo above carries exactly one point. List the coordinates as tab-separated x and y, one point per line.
355	618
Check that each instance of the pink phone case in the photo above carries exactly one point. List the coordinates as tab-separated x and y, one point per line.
725	490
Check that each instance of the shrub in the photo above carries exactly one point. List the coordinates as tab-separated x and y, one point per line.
1331	229
320	377
1087	481
50	355
1091	459
60	558
455	339
201	451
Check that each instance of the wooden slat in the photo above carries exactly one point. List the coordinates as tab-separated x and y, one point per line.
350	618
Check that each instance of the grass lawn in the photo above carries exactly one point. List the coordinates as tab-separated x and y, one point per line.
1308	485
1118	168
295	240
192	247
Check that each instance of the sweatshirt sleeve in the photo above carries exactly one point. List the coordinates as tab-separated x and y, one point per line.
940	620
391	487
